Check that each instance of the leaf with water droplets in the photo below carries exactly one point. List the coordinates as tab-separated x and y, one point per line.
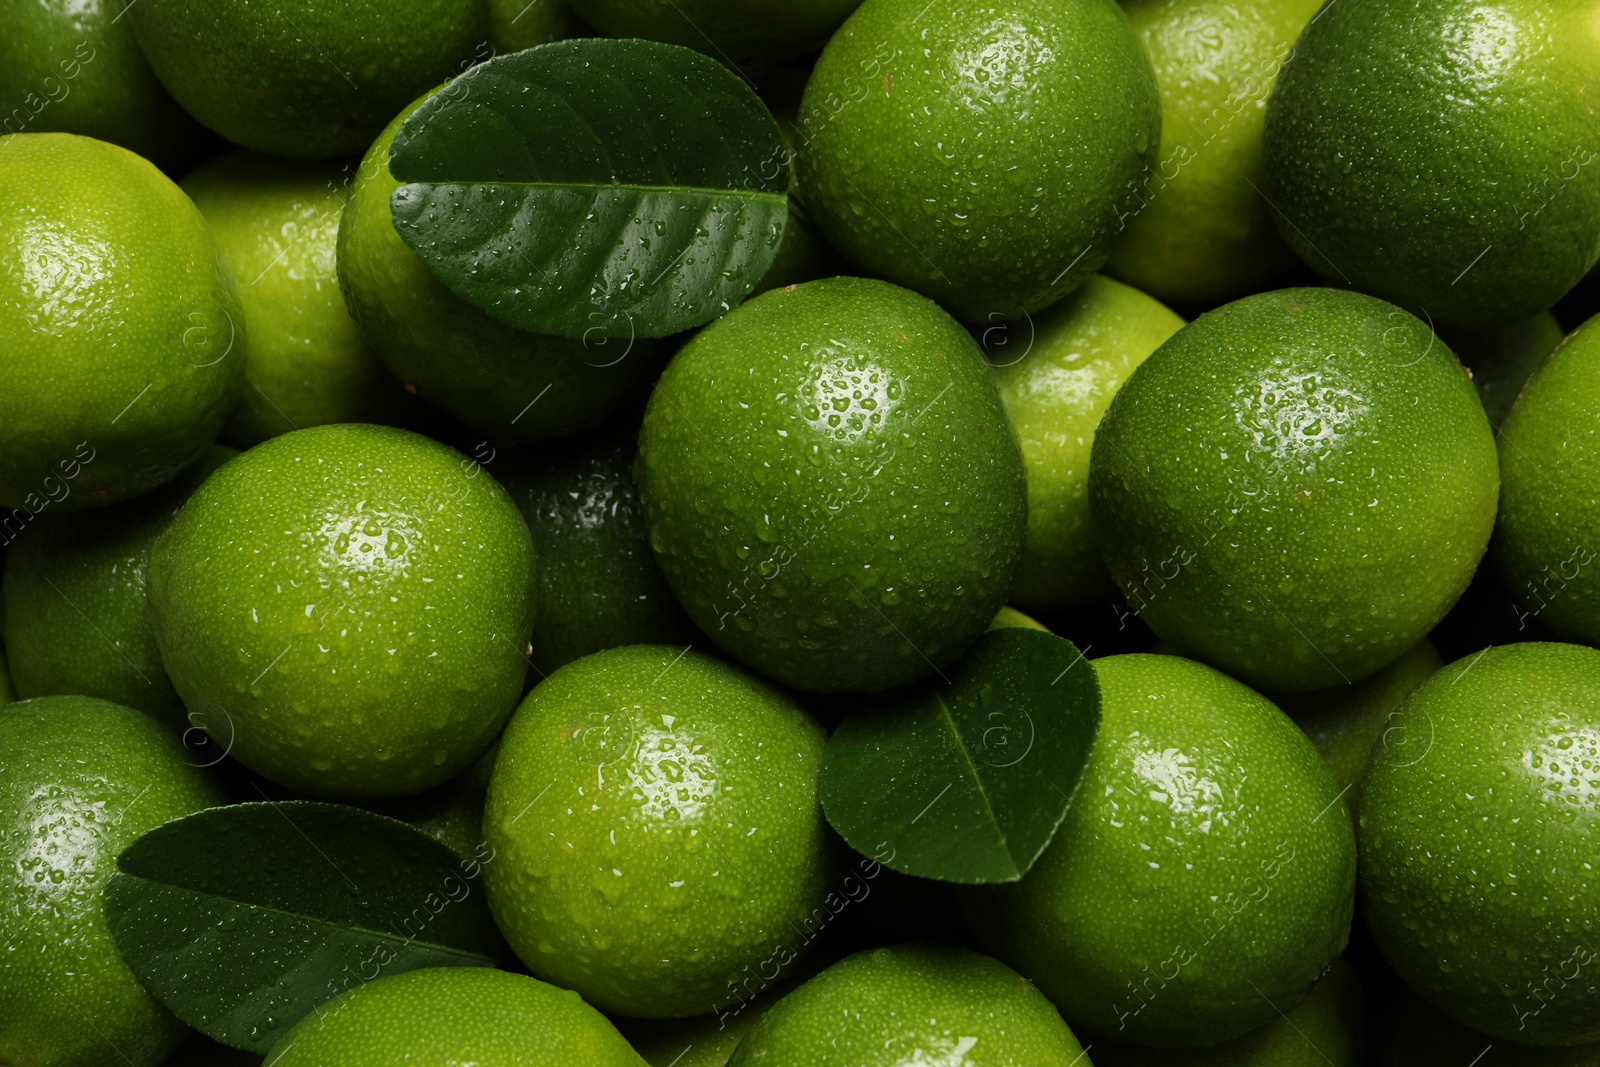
966	779
242	919
594	187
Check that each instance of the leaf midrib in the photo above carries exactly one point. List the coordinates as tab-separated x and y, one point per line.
961	746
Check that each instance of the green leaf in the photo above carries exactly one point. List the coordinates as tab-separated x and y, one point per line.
966	780
594	187
242	919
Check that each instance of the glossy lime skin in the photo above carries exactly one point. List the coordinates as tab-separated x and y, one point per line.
907	1005
1478	821
1204	876
832	486
124	337
455	1015
598	583
912	161
512	385
305	79
348	609
83	778
1503	358
1324	1031
1057	374
1261	497
76	617
738	32
1199	230
657	831
1418	1036
1438	153
518	24
73	66
277	222
1547	539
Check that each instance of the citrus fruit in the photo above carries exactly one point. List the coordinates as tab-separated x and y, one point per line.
1057	376
981	155
1503	358
1202	879
832	486
803	255
738	32
277	222
656	829
1478	822
456	1015
348	608
1437	154
511	385
83	779
917	1003
1261	498
452	813
1199	230
303	79
518	24
1548	533
76	617
123	332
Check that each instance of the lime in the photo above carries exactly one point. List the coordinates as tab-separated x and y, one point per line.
912	1004
912	162
738	32
1199	231
657	833
277	222
1437	153
803	255
1549	528
452	813
455	1015
83	779
518	24
346	608
1262	499
511	385
832	486
1057	374
1503	358
1478	822
122	326
306	79
1204	876
76	618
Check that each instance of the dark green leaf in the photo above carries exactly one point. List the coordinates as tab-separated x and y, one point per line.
594	187
242	919
967	780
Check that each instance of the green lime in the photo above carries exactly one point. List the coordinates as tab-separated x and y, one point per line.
913	166
657	833
513	386
518	24
1263	500
1199	230
1345	721
83	778
76	618
1204	876
348	608
1324	1031
1418	1036
598	583
803	254
1438	153
455	1015
123	331
832	486
1548	532
1503	358
1478	823
277	222
705	1040
76	68
306	79
738	32
918	1003
452	813
1057	373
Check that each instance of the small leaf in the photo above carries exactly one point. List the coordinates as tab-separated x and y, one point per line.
242	919
594	187
966	781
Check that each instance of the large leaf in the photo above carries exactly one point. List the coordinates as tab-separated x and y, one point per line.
618	188
242	919
967	780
